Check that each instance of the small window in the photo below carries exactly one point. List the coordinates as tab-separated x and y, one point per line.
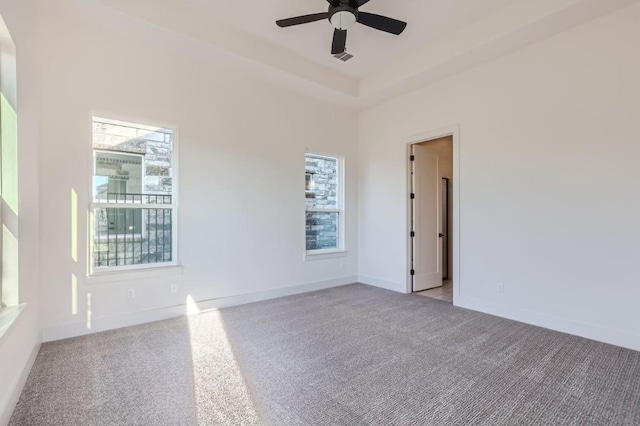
134	208
324	203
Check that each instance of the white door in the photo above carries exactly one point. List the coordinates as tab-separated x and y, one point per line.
427	220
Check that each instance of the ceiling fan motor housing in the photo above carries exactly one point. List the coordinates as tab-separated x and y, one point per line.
342	16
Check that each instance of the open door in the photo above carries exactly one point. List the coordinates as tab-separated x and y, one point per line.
427	219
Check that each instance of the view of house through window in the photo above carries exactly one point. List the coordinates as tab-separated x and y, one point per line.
324	211
133	204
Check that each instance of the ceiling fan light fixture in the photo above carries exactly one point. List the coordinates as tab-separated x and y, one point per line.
343	20
344	14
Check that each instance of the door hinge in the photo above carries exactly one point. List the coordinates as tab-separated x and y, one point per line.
413	234
412	158
413	196
413	272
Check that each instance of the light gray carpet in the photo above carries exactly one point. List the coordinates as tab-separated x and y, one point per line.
354	355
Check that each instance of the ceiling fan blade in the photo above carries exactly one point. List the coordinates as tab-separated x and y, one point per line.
382	23
339	42
302	19
361	2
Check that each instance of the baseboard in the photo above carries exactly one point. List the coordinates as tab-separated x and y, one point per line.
7	410
110	323
274	294
376	282
590	331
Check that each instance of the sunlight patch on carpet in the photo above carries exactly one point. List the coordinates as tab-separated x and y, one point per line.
221	392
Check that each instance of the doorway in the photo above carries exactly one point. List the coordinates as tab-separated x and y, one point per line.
432	245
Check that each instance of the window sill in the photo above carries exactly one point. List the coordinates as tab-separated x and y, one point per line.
106	276
325	254
8	316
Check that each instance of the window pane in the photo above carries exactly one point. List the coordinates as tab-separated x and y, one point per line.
322	230
117	177
321	182
132	236
132	160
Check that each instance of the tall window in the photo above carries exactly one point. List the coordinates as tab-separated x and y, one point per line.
324	204
9	266
133	206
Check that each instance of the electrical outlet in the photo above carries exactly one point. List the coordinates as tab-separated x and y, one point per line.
341	265
174	288
500	288
131	294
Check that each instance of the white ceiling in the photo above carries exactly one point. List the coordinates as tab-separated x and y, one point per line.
428	20
443	37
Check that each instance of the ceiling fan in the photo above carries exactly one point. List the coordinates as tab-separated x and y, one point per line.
343	14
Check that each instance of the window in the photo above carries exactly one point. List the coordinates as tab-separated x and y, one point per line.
9	213
134	208
324	204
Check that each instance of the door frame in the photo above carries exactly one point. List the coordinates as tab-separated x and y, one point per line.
454	132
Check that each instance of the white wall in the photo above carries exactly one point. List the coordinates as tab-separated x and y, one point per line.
20	341
241	158
549	181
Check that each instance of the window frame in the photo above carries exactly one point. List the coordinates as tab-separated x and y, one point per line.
151	125
341	250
